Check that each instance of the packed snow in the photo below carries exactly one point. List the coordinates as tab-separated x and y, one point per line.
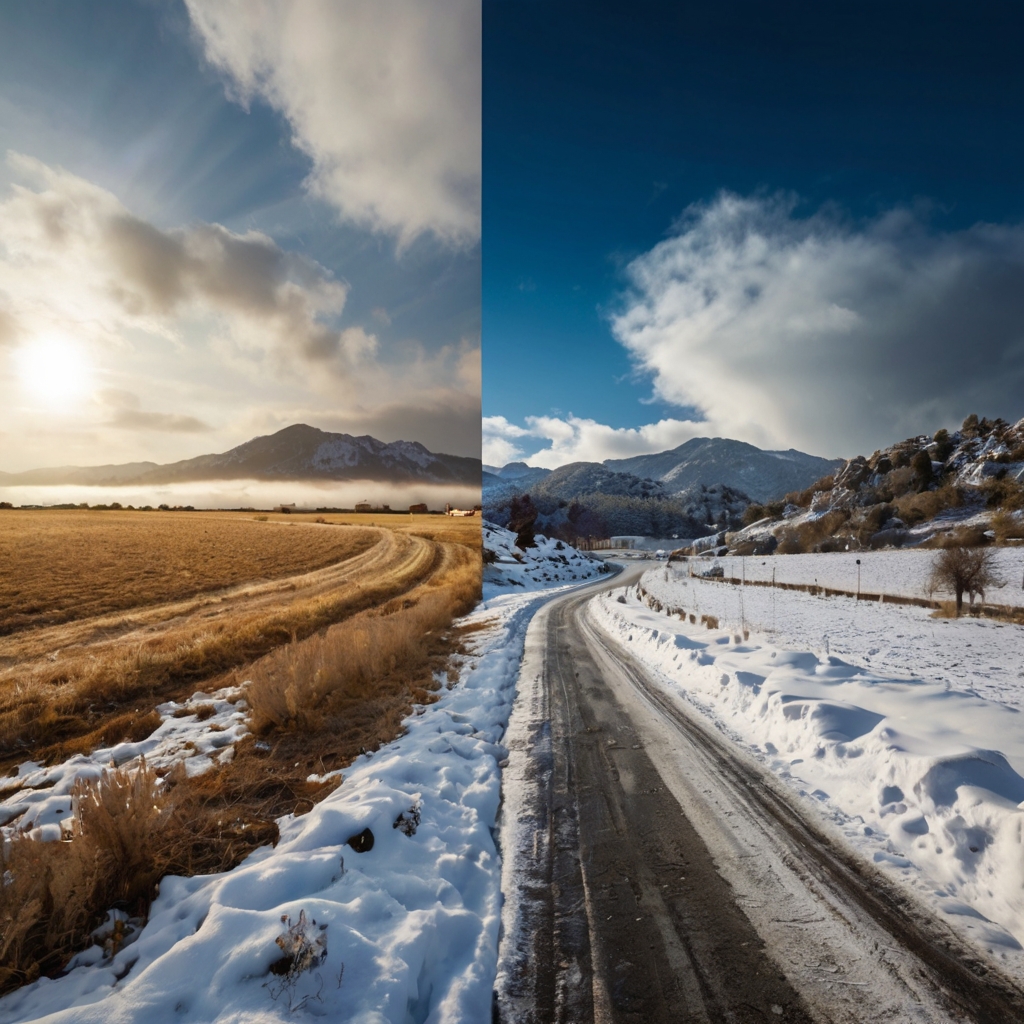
901	729
403	929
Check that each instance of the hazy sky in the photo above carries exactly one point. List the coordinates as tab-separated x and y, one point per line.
794	224
220	217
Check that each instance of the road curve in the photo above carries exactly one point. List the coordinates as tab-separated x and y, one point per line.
653	872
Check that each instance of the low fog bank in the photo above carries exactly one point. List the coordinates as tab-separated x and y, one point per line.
213	494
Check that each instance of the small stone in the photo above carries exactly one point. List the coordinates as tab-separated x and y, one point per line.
361	842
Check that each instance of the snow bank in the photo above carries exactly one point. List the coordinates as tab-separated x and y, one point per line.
411	923
921	776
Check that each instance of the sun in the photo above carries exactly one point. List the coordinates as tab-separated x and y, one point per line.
54	370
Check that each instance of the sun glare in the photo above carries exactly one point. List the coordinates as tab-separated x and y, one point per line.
54	371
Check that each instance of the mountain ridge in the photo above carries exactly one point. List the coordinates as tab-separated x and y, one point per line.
296	452
762	474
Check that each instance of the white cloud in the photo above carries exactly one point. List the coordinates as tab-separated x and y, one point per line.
575	439
828	337
383	95
499	441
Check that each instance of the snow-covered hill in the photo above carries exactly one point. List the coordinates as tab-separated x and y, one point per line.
552	563
763	475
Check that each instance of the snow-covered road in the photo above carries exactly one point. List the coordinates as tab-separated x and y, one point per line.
656	869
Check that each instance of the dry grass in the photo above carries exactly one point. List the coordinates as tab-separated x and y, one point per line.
318	702
1008	527
916	508
129	830
66	686
443	529
60	566
380	657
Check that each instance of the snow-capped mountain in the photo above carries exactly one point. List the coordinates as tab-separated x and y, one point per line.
298	452
763	475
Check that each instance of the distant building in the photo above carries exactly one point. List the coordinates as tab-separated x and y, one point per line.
449	511
363	506
285	508
418	510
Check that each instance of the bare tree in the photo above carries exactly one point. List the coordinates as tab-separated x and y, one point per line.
960	570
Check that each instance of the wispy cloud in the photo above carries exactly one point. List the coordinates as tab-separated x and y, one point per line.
833	337
383	95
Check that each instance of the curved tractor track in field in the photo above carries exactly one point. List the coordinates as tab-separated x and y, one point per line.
96	667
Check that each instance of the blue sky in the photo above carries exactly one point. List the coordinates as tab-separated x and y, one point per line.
305	173
837	159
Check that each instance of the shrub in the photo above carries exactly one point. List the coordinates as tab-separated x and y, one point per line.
803	499
922	467
1008	526
961	537
522	516
810	535
916	508
754	513
1003	493
943	445
898	482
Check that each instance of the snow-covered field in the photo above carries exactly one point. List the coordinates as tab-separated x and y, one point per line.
900	573
404	931
903	730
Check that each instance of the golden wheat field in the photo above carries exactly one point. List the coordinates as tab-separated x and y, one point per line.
61	565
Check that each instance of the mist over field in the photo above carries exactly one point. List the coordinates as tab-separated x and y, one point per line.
209	494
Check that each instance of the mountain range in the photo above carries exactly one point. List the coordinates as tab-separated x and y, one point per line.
298	452
700	463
